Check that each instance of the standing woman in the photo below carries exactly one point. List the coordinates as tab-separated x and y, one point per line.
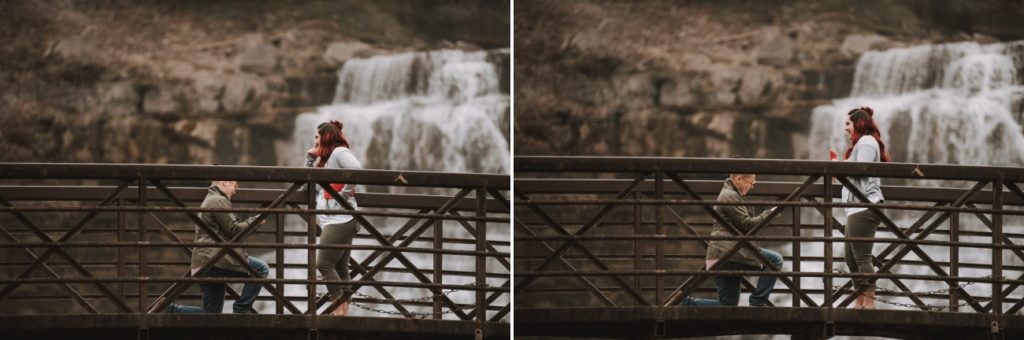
331	151
865	146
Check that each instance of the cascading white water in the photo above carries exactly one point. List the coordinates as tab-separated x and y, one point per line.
957	103
427	111
954	104
440	111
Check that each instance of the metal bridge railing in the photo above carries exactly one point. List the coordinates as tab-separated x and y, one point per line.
620	231
128	248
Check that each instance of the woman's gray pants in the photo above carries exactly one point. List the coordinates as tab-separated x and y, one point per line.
858	254
333	263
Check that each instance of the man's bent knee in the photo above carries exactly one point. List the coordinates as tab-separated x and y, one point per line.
259	266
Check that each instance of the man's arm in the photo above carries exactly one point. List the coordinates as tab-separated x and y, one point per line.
739	216
228	222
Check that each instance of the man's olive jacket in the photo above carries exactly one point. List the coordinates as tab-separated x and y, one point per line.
740	217
223	223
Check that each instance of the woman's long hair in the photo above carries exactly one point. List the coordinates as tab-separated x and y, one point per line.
864	125
330	137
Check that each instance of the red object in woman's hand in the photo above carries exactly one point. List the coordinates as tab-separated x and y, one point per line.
832	156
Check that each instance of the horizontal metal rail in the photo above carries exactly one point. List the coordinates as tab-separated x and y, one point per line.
248	210
191	231
251	174
767	189
766	204
712	273
564	164
58	193
256	245
766	238
175	279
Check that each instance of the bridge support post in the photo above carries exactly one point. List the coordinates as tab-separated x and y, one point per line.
481	260
143	237
438	265
311	253
997	253
827	255
279	252
659	230
122	222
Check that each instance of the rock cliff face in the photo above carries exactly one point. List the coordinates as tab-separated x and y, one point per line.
193	82
709	80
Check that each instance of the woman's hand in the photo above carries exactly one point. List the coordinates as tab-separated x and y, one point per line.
311	151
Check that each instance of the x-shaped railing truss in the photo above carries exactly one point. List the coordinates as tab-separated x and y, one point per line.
446	208
40	260
910	247
592	222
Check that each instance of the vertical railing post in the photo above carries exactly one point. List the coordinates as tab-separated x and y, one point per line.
954	259
638	218
311	253
141	202
827	180
122	220
279	220
481	261
438	263
796	256
659	229
997	253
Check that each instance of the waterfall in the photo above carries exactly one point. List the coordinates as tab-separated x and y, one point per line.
959	103
445	111
426	111
950	104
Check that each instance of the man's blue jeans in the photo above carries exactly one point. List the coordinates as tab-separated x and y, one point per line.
729	286
183	309
213	293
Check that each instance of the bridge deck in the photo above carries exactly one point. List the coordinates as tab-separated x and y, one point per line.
812	323
236	326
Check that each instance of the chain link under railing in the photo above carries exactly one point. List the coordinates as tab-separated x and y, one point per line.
411	314
929	307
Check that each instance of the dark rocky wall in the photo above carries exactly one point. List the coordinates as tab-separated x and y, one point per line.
699	79
196	81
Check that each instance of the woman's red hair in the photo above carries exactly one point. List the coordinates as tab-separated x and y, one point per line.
330	137
864	124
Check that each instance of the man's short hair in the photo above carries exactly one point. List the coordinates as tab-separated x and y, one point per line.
739	175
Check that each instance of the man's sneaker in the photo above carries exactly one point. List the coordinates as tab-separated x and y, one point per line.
765	304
